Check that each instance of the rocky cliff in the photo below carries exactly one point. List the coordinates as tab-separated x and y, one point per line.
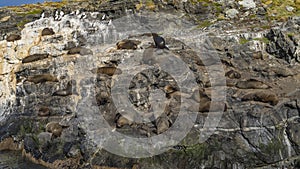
83	85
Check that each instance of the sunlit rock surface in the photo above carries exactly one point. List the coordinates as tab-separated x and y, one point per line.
53	104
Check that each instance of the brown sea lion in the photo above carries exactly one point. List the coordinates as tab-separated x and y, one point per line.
122	121
128	44
42	78
108	70
232	74
54	128
43	111
13	37
47	31
261	96
34	57
251	84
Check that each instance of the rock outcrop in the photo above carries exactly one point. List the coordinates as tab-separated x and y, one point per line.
61	90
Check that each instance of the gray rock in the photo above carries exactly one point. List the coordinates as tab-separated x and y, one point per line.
232	13
289	8
248	4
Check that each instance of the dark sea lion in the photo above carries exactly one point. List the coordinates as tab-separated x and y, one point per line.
261	96
42	78
128	44
54	128
159	41
43	111
47	31
122	121
80	50
108	70
232	74
34	57
251	84
13	37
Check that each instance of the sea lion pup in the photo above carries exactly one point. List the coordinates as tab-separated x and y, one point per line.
47	31
13	37
159	41
128	44
261	96
42	78
34	57
122	121
43	111
251	84
54	128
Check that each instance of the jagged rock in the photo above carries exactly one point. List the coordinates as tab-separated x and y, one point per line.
67	91
284	45
162	124
232	13
248	4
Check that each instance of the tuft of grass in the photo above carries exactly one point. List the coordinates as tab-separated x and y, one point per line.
22	23
264	40
205	24
277	9
243	41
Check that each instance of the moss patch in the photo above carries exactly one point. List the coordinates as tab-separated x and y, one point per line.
243	41
264	40
277	8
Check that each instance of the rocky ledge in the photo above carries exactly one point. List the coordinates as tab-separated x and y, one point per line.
65	70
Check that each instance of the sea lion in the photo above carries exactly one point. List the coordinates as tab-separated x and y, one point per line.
47	31
34	57
128	44
261	96
13	37
43	111
251	84
159	41
108	70
42	78
54	128
80	50
122	121
232	74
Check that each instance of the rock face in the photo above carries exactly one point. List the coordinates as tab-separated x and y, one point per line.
285	43
62	95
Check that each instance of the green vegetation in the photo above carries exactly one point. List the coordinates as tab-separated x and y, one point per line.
264	40
273	147
243	41
277	9
205	24
22	23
